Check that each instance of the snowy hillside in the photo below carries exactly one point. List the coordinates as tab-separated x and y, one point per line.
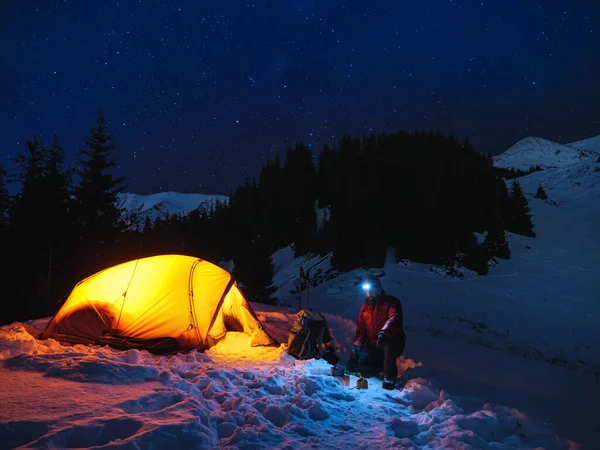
158	205
533	151
591	144
542	303
508	360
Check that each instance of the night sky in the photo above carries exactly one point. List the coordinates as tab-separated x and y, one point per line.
199	94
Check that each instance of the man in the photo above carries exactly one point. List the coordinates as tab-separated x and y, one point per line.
380	337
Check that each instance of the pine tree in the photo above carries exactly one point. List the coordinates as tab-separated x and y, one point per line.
4	199
300	189
97	191
5	261
327	176
98	217
476	257
40	225
473	255
519	221
55	207
26	204
540	193
57	182
24	249
147	224
348	204
254	269
495	243
271	203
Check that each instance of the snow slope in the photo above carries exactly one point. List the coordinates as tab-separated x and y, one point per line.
533	151
591	144
158	205
542	303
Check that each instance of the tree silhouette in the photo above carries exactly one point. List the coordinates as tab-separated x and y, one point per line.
271	206
4	199
40	224
98	217
5	261
56	208
519	219
254	270
299	187
495	243
540	193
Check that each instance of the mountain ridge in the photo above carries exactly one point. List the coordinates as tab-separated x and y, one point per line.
536	151
163	203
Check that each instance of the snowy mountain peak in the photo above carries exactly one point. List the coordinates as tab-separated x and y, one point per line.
535	151
158	205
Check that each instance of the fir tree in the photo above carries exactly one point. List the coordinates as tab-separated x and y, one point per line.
326	176
4	238
519	220
97	191
271	203
254	269
300	190
540	193
40	223
495	243
473	255
57	182
98	217
4	199
26	204
476	257
58	243
147	224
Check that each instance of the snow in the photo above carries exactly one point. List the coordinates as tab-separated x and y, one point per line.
97	396
509	360
591	144
533	151
158	205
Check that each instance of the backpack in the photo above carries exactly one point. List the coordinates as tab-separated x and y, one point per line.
308	334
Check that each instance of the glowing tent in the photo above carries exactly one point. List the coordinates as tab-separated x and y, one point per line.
180	300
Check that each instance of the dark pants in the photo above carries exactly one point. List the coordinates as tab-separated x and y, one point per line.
373	360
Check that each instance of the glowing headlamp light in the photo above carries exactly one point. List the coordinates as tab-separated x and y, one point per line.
366	286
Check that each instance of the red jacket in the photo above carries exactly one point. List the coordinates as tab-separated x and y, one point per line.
383	313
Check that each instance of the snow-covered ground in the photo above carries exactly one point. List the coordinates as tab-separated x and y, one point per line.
509	360
72	397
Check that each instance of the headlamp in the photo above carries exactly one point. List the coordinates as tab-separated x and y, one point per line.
366	286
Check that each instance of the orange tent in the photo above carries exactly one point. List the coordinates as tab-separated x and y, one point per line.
181	299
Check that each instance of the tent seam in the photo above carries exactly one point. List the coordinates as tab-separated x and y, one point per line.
191	298
219	305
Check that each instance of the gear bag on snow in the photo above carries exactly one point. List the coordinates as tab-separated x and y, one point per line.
309	333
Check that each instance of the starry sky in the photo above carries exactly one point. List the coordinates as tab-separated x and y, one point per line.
199	94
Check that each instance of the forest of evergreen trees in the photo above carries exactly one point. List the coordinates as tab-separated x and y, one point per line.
426	194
